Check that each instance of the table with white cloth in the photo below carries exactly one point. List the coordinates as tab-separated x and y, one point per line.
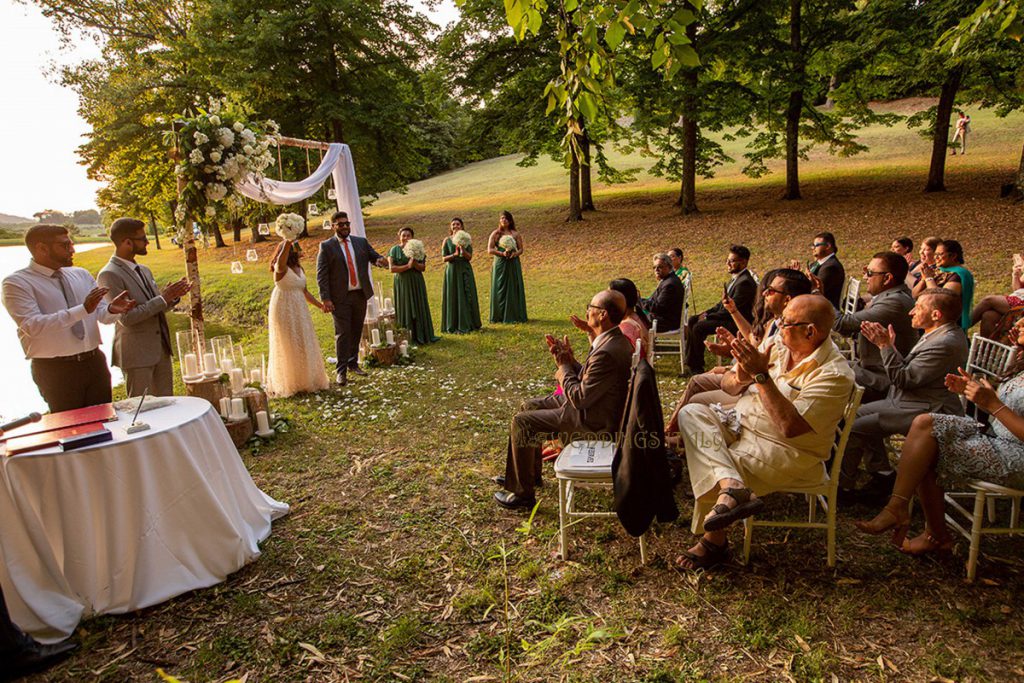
129	523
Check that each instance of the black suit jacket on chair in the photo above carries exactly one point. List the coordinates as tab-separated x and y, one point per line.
833	278
743	291
332	269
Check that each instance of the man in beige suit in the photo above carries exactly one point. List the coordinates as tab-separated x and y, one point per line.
591	403
142	340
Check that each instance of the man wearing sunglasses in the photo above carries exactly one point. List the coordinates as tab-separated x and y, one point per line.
343	276
827	268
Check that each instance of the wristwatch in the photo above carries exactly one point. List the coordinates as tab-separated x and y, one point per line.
761	378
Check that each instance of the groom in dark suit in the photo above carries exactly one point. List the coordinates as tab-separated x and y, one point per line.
342	273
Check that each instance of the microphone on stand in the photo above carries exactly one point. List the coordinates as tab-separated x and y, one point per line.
20	422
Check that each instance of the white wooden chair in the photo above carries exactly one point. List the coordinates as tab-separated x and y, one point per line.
825	494
985	495
676	339
585	465
989	357
848	305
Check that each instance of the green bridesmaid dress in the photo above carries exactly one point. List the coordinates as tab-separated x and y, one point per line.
411	308
508	293
460	309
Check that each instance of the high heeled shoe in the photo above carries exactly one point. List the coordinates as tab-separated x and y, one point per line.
927	544
887	520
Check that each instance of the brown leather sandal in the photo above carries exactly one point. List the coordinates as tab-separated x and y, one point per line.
724	515
713	556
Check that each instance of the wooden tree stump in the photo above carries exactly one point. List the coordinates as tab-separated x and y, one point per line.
210	389
239	430
255	401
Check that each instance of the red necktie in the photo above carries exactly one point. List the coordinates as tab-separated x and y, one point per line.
353	280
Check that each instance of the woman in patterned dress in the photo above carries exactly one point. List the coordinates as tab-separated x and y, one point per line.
946	451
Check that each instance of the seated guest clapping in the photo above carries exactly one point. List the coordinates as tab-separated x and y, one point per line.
917	385
665	305
742	289
591	402
991	309
793	396
943	451
778	288
890	304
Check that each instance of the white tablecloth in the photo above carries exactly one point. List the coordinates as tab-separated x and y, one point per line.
127	524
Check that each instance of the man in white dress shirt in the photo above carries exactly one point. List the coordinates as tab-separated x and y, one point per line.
142	338
56	307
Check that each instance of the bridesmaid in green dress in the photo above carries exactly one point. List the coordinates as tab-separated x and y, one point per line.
508	293
411	308
460	309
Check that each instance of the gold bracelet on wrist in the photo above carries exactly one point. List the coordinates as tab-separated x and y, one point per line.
996	411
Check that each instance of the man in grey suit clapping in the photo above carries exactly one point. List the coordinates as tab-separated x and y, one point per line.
142	339
342	274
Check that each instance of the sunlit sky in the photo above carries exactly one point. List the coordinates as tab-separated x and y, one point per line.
39	125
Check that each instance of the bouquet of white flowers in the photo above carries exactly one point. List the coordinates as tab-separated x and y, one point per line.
462	239
415	250
289	226
508	243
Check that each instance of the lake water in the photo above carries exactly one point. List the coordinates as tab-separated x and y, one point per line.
18	393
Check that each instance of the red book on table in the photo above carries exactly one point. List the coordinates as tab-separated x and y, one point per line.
34	442
103	412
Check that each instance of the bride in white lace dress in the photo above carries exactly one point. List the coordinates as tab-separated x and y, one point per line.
296	362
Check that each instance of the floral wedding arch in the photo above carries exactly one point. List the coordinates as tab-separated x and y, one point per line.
220	157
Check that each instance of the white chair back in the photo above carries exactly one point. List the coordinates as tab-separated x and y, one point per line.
852	296
989	357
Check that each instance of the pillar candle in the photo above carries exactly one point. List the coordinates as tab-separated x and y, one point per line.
237	408
390	336
387	303
262	422
403	348
237	379
375	336
225	407
191	365
256	376
226	365
210	363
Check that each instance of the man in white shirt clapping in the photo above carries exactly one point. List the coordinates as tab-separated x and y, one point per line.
57	307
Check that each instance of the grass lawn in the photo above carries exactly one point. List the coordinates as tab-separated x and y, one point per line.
395	565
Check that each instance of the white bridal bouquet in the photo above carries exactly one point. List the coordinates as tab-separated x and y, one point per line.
507	243
414	249
462	239
289	226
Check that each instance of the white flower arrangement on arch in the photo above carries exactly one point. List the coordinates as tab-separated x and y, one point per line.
415	250
461	238
289	226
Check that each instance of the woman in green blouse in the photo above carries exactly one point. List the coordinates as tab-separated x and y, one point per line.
508	293
411	308
460	309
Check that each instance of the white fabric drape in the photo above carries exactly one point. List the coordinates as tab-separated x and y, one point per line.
337	162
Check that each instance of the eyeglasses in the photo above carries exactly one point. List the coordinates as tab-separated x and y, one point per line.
819	244
66	244
600	308
872	273
771	290
785	324
341	224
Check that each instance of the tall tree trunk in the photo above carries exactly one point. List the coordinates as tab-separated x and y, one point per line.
305	217
688	190
832	82
940	132
236	228
796	105
218	239
586	196
575	211
155	231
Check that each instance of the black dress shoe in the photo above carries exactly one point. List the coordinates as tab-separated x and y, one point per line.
500	481
341	378
513	502
35	658
356	370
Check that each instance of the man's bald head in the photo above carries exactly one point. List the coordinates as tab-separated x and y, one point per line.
809	319
613	303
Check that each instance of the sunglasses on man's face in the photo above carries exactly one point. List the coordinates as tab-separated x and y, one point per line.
341	224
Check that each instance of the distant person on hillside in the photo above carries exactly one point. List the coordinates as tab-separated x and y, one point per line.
57	307
508	293
741	289
665	305
460	308
827	268
963	127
